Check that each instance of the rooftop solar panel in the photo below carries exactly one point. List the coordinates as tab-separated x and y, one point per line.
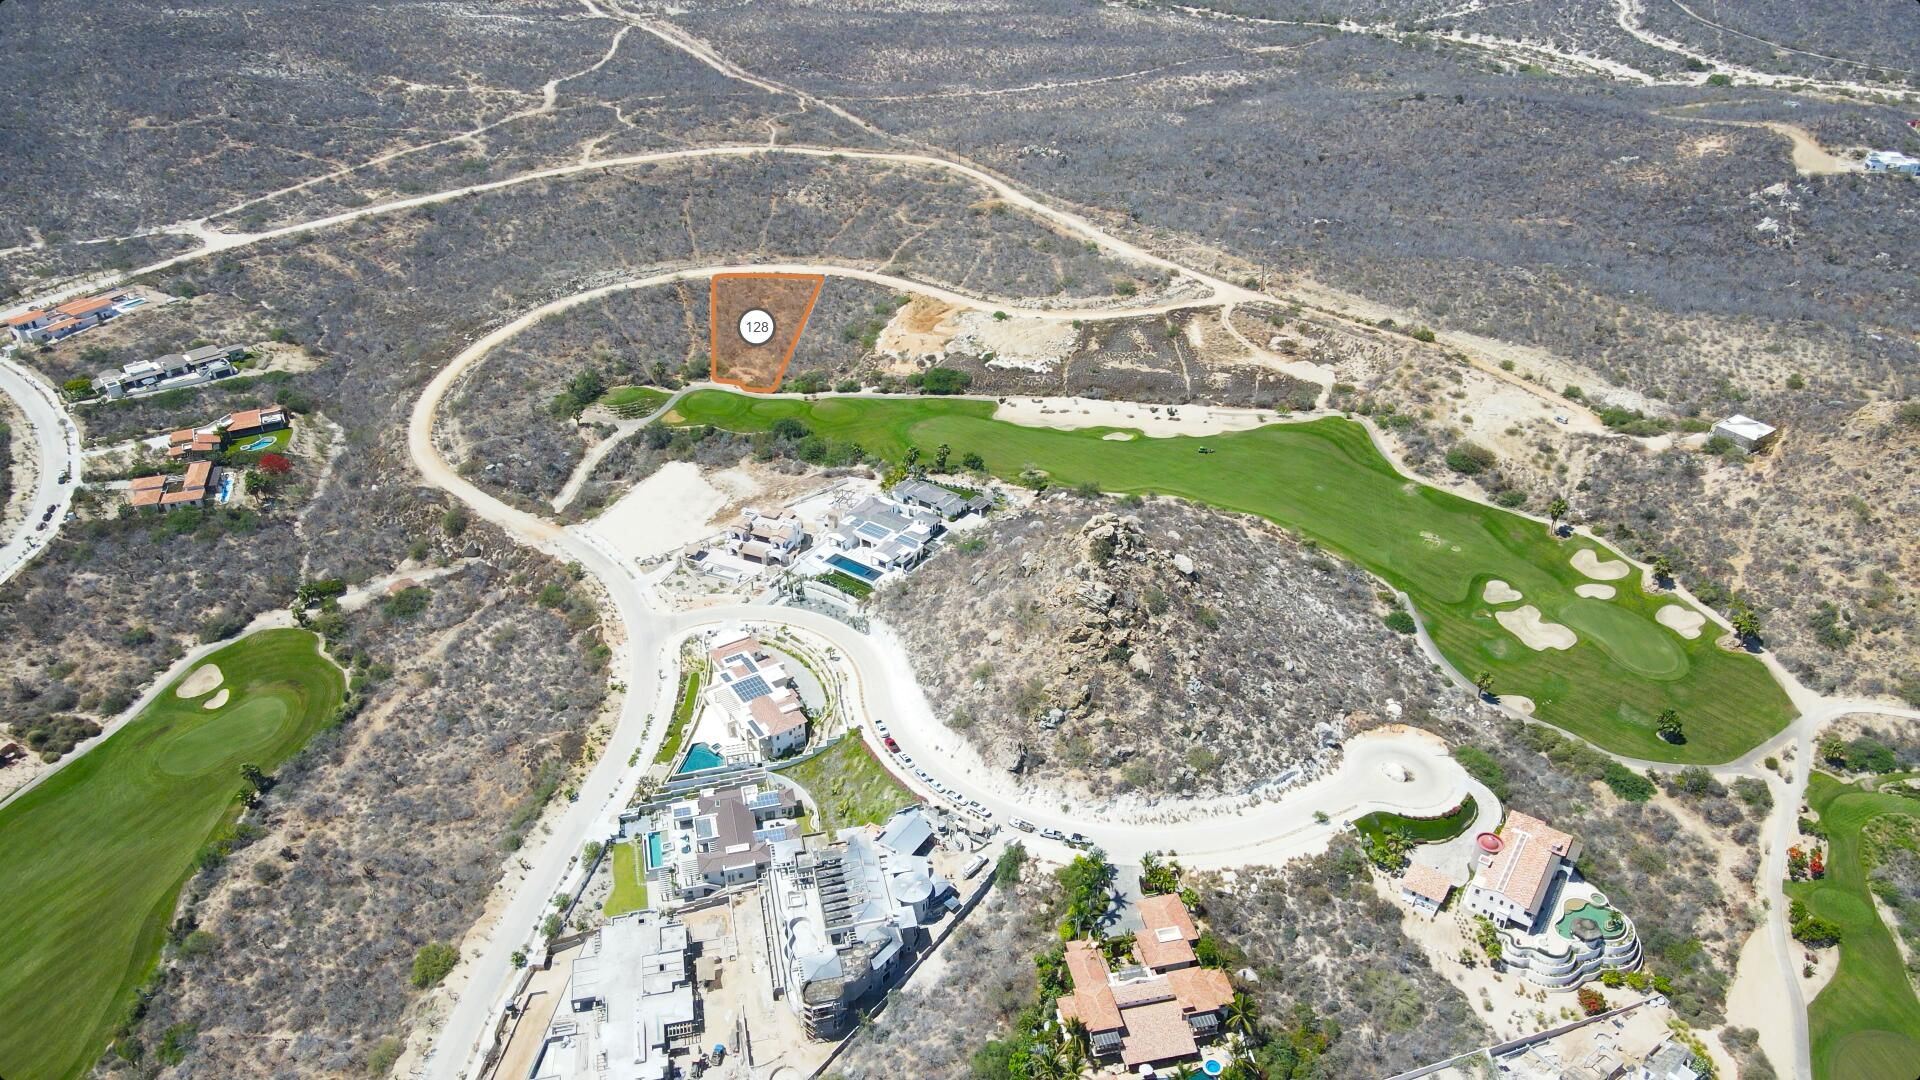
753	686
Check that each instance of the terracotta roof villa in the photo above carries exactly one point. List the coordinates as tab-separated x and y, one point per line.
167	492
1152	1014
1425	888
1514	882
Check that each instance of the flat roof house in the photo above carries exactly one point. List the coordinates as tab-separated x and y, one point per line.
757	694
769	539
885	535
1747	433
630	1005
947	503
1893	161
170	371
845	921
1514	882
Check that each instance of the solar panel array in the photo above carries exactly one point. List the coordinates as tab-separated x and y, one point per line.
753	686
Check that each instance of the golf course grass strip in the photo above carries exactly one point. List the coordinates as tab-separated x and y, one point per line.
91	861
1326	480
1865	1023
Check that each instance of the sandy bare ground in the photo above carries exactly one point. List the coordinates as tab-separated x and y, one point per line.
1155	421
1534	632
662	513
1018	341
1593	566
1499	592
1594	592
1681	619
217	700
204	680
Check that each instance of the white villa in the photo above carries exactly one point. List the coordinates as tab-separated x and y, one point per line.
1553	925
767	539
844	921
630	1005
757	696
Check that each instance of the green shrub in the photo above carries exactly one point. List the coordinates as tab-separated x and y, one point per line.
1400	622
1470	459
432	963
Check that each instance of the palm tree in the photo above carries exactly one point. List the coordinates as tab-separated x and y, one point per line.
940	457
1669	726
1663	568
1556	510
1484	681
1746	623
1243	1014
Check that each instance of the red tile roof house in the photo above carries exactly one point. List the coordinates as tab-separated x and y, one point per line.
38	327
1514	882
249	422
168	492
1154	1014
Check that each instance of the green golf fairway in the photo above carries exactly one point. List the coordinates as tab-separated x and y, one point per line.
1865	1024
1325	480
91	861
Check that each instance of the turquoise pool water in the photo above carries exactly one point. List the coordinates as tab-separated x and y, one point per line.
700	756
864	573
260	443
655	851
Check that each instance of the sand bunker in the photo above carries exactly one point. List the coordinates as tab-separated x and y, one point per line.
1680	619
1525	623
1499	592
202	681
1118	436
1594	592
1519	703
1153	421
216	700
1593	566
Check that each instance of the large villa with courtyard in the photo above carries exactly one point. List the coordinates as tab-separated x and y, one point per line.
1554	926
1157	1010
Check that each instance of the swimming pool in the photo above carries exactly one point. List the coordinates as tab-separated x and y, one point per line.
656	854
861	571
226	486
260	443
700	756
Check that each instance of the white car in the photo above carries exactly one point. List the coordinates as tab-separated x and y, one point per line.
906	761
880	729
1022	824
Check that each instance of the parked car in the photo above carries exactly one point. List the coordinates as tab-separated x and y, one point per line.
880	729
890	744
984	814
1022	824
1052	833
1076	840
922	774
974	866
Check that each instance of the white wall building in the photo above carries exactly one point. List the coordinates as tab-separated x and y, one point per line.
757	695
1747	433
630	1005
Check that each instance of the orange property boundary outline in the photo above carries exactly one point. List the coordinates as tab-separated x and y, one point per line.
714	328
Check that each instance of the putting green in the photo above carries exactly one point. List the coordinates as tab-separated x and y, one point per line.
91	861
1633	641
1326	480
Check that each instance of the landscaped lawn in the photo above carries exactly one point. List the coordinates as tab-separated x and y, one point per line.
1865	1024
278	445
849	785
92	860
682	712
1423	830
629	881
632	401
1325	480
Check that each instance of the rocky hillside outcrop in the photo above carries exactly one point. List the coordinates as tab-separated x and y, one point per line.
1163	649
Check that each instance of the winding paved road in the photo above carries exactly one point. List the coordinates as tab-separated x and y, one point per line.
55	447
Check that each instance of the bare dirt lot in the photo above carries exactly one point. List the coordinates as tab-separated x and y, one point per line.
751	351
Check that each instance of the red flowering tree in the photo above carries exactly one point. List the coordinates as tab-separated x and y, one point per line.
1817	864
276	464
1591	1001
1796	864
